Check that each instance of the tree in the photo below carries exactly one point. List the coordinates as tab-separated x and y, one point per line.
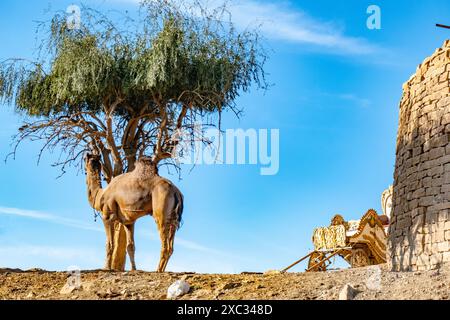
124	88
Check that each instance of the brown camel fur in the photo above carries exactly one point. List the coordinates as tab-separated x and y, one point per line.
130	196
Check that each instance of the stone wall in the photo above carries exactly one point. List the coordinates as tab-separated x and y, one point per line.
419	235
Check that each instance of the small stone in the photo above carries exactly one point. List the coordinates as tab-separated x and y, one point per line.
177	289
112	293
125	293
67	289
101	294
230	285
347	293
435	273
30	295
185	277
272	272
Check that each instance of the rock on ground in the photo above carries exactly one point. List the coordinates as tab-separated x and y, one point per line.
347	292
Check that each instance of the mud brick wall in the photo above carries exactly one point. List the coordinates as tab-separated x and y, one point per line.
419	235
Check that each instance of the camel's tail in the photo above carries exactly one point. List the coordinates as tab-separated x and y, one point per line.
178	211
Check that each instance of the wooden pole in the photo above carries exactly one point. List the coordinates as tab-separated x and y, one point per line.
324	260
442	26
297	262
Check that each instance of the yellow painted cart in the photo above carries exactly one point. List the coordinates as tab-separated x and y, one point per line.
361	242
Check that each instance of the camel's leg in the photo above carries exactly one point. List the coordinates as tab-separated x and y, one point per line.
163	206
130	244
169	238
109	230
166	248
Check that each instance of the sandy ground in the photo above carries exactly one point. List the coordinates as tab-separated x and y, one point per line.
369	283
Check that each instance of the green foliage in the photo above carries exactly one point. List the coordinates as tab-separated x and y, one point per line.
173	56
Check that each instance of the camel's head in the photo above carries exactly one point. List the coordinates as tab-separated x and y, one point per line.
145	161
146	166
92	162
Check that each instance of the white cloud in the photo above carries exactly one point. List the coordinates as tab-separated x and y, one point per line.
38	215
280	21
361	102
197	247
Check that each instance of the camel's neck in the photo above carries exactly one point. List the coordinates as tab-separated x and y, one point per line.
145	171
94	186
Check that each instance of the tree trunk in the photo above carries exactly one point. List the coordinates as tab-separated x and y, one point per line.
120	248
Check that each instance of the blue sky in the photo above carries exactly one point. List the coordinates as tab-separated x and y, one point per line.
335	98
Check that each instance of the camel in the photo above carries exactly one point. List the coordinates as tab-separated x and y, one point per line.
131	196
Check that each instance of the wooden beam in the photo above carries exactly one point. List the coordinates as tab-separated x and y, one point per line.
442	26
297	262
324	260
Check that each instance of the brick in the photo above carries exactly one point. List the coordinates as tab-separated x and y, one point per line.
446	256
436	259
426	201
440	141
443	247
444	215
439	237
436	153
433	191
418	212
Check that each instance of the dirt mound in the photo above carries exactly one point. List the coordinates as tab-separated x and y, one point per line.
367	283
